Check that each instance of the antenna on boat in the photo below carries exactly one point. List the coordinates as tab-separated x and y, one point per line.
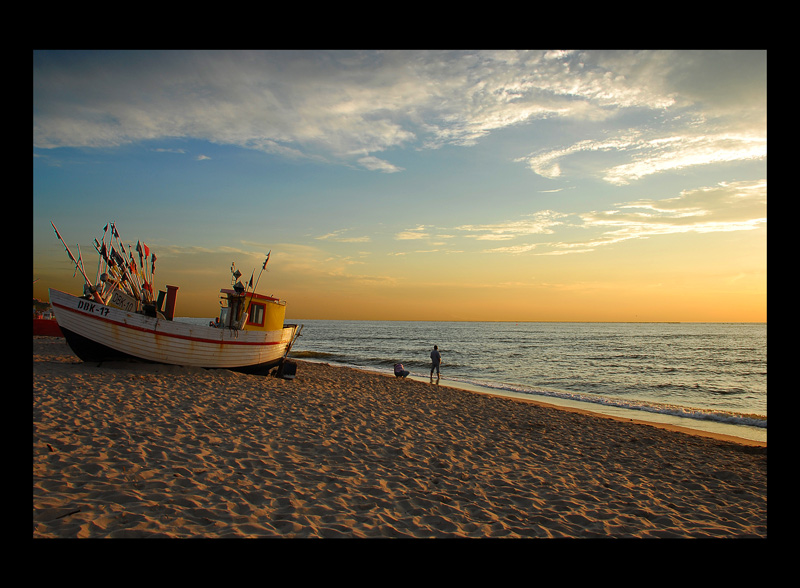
100	257
235	275
263	267
78	266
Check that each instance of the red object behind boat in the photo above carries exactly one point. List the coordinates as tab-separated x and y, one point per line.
46	327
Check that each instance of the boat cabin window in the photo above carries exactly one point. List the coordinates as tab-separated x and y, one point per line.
256	314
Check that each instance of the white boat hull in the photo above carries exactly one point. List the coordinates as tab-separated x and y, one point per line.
96	332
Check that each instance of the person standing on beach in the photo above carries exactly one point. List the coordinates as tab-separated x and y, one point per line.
436	360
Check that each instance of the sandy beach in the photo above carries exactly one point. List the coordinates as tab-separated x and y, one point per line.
138	450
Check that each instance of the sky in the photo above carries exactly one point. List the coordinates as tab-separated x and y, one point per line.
508	185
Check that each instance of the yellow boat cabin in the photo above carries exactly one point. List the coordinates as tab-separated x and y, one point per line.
251	311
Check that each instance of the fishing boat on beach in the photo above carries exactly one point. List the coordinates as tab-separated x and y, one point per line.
119	317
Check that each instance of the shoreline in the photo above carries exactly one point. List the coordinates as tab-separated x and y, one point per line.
720	431
143	450
601	411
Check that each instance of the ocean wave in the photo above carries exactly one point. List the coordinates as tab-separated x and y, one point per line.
311	355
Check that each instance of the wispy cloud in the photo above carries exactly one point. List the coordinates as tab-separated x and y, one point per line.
726	207
350	106
419	232
533	224
311	264
736	206
374	164
654	154
340	237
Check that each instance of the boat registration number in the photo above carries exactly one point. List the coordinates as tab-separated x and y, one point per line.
92	307
123	301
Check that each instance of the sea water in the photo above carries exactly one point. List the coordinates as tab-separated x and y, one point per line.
706	376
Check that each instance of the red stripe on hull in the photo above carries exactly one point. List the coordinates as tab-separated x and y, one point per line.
162	334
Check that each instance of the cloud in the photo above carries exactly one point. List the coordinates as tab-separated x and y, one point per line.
736	206
654	154
374	164
726	207
679	152
312	265
348	106
412	234
338	236
533	224
546	162
513	249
